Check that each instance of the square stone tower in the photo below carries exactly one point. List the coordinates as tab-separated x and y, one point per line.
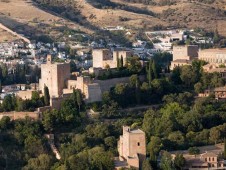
187	52
132	146
54	76
100	56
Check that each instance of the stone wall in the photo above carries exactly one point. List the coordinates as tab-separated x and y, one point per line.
25	94
106	85
20	115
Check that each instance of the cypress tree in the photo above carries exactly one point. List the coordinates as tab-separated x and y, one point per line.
121	62
138	94
74	96
224	149
149	74
46	96
79	99
0	86
118	64
155	74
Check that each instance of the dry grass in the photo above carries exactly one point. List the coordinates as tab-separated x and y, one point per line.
23	14
109	17
185	14
5	36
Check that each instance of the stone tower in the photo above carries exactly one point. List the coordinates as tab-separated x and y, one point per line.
132	146
54	76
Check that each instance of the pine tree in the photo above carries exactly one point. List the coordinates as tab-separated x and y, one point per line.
46	96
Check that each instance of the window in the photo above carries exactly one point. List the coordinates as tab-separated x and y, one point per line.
138	144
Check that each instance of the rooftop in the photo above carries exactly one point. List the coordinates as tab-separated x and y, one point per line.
182	61
214	50
127	129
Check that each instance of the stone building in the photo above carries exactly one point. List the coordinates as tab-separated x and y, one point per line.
188	52
179	63
216	56
100	56
54	76
103	58
183	55
205	161
215	68
124	54
132	147
218	92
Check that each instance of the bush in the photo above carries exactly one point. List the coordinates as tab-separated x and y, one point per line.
193	151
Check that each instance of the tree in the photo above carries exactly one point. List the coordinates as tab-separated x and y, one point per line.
0	86
176	75
188	76
149	120
224	149
214	134
154	147
46	96
166	161
43	162
216	37
198	87
35	96
149	75
118	63
9	103
138	92
121	62
74	96
179	161
154	69
110	141
79	99
4	71
50	119
177	137
4	122
69	113
146	165
193	151
133	80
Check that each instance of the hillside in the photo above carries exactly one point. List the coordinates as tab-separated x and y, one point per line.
50	17
210	15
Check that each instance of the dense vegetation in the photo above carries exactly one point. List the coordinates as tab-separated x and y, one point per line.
18	74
